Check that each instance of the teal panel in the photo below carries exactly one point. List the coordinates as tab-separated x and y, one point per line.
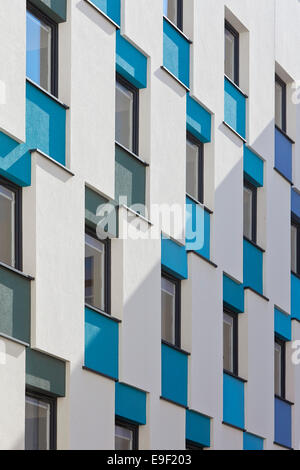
197	428
130	182
174	258
283	423
295	202
176	53
283	155
197	229
253	267
235	109
15	161
233	294
130	403
112	8
174	375
55	9
14	305
198	120
131	63
233	401
101	344
45	373
252	442
253	167
295	294
283	325
108	220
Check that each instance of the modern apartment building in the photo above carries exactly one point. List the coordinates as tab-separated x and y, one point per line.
149	224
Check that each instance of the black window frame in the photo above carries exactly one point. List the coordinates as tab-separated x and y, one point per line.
17	190
253	190
200	145
54	45
236	36
295	221
282	84
179	19
107	270
282	344
52	401
190	445
235	346
177	283
131	426
135	112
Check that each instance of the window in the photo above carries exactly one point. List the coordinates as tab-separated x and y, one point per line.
10	224
280	104
250	211
279	368
231	53
192	446
230	342
126	435
127	107
173	10
170	309
194	168
40	422
41	49
295	247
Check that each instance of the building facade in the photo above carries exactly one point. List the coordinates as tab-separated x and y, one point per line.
149	224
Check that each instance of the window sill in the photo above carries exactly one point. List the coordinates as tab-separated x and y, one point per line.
254	244
14	340
172	346
284	134
132	154
177	29
234	132
136	214
87	369
173	402
233	426
257	293
283	176
237	87
16	271
199	203
284	400
175	78
283	446
54	98
240	379
295	274
103	14
104	314
211	263
43	154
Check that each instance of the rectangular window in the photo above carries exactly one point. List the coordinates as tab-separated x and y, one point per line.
250	211
194	168
230	342
295	247
279	368
173	10
97	266
40	422
127	110
170	309
280	103
41	49
10	224
231	53
126	436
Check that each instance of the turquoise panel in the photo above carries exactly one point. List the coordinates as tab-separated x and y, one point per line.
101	344
130	403
295	294
283	155
197	428
174	258
55	9
253	267
176	53
235	109
131	63
233	294
253	167
295	196
198	120
283	423
112	8
197	229
15	161
233	401
45	373
108	220
283	325
174	375
252	442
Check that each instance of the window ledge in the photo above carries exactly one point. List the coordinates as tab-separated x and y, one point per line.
92	371
52	160
14	340
136	214
257	293
254	244
132	154
240	379
103	14
54	98
295	274
282	445
16	271
173	402
284	400
172	346
175	78
104	314
283	176
214	265
237	87
196	201
177	29
234	132
233	426
233	278
284	134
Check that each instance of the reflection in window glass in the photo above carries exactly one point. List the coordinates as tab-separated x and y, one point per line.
277	365
124	116
7	226
94	272
37	424
170	10
294	252
278	105
228	343
168	297
192	169
229	54
123	438
248	202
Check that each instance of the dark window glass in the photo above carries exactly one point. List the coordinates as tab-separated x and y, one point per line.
170	309
39	422
194	168
173	11
231	53
279	368
230	342
10	224
280	104
126	435
126	115
250	212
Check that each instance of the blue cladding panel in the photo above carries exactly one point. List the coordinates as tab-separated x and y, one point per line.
283	325
252	442
295	203
233	401
131	63
197	229
253	167
174	371
176	53
235	109
283	423
198	120
253	267
198	428
101	344
15	161
111	8
130	403
295	293
233	294
174	258
283	154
